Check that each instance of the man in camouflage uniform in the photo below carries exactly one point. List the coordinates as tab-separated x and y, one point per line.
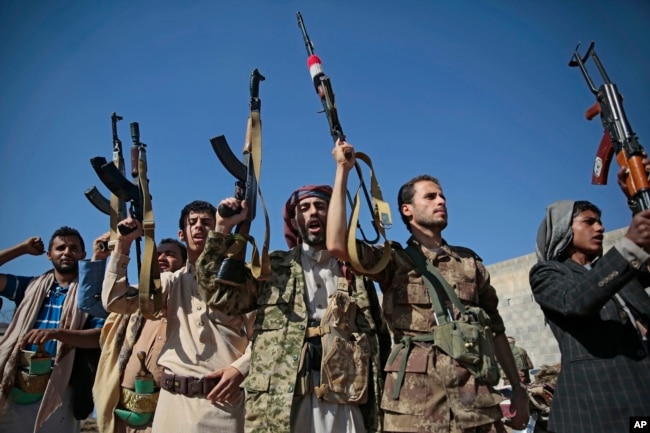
432	393
522	360
314	320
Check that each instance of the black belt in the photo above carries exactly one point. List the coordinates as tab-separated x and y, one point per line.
187	385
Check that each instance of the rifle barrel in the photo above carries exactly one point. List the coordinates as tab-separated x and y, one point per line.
308	45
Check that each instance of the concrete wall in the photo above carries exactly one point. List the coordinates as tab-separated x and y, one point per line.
523	318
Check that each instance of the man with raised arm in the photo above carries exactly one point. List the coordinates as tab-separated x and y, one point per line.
204	359
122	407
315	362
426	390
47	319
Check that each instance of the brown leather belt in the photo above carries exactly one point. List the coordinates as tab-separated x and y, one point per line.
187	385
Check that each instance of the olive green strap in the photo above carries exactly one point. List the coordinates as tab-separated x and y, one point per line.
405	343
436	284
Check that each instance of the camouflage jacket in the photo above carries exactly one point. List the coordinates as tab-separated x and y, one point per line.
280	329
434	385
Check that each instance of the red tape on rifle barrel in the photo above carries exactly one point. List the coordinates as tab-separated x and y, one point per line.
315	70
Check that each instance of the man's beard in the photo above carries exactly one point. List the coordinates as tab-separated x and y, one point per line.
67	269
438	224
429	222
309	239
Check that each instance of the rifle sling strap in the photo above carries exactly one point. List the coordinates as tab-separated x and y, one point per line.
116	205
118	209
149	287
260	260
381	219
438	287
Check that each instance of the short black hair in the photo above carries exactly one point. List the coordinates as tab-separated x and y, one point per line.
583	205
407	191
195	206
66	231
180	245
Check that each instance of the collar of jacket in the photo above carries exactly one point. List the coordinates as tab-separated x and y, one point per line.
440	253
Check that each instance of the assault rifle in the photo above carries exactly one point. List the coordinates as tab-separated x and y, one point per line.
618	137
247	174
115	208
379	209
323	86
136	193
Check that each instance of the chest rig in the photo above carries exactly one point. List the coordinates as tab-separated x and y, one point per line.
334	347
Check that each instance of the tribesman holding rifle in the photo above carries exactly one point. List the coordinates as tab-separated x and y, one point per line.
595	303
127	382
433	292
315	359
204	359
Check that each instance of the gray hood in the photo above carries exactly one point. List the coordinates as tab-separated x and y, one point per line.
554	234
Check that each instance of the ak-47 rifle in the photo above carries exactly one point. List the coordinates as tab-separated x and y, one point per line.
247	173
618	137
115	208
379	209
150	286
136	193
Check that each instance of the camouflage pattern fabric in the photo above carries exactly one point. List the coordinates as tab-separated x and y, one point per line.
437	394
521	358
280	328
346	353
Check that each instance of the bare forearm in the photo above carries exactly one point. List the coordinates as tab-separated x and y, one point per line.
83	338
33	246
337	216
11	253
117	295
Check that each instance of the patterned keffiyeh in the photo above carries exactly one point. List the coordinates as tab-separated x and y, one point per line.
320	191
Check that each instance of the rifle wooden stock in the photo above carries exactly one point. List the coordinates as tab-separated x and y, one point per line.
637	179
619	138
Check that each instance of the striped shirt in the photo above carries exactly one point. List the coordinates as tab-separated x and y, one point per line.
49	315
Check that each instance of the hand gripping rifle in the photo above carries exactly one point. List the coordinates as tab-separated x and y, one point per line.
376	205
618	137
247	175
115	208
136	193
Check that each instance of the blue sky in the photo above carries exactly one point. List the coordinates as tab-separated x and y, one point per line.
477	93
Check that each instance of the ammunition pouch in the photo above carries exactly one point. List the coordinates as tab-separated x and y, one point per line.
469	341
345	364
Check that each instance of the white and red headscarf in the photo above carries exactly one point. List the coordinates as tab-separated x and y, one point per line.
321	191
